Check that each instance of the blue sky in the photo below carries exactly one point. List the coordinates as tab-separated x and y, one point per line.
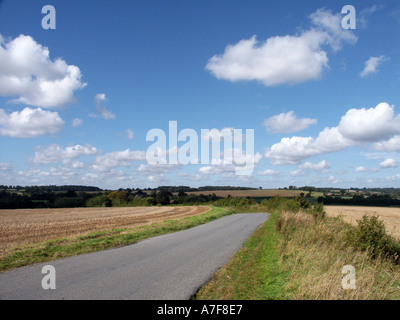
77	102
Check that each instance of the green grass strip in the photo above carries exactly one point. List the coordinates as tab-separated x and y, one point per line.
253	273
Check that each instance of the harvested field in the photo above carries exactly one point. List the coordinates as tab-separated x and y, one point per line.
23	226
391	216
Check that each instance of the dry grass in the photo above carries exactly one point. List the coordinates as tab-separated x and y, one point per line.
315	252
25	226
391	216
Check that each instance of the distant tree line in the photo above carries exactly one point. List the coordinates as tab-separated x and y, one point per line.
174	189
71	198
384	200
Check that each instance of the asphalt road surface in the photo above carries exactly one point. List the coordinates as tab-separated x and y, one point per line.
172	266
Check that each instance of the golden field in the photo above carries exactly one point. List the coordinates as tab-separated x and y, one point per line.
391	216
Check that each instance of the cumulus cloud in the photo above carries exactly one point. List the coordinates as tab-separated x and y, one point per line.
357	127
390	145
370	125
77	122
29	123
101	111
323	165
333	180
283	59
372	64
293	150
297	173
242	165
54	154
287	122
268	172
388	163
363	169
28	73
115	159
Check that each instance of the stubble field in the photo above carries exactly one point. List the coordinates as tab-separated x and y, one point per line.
391	216
24	226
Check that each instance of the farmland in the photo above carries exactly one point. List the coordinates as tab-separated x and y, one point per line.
391	216
25	226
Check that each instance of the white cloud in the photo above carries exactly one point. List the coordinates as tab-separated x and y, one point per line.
323	165
77	122
101	111
390	145
333	180
297	173
331	25
356	127
232	169
388	163
363	169
287	122
115	159
54	154
293	150
283	59
268	172
370	125
29	123
73	164
372	64
26	71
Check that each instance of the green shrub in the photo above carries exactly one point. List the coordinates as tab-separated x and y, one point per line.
318	211
371	235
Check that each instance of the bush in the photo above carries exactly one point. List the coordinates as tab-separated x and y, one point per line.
273	203
371	235
234	202
318	211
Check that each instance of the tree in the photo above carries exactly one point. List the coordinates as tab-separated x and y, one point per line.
163	197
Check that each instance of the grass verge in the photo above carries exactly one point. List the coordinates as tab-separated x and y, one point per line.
315	253
65	247
253	273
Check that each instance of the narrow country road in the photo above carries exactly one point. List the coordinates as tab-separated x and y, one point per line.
172	266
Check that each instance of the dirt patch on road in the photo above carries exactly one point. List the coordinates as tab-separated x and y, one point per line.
391	216
23	226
